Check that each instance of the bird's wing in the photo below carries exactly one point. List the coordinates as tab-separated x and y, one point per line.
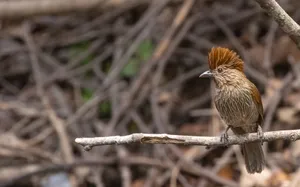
257	99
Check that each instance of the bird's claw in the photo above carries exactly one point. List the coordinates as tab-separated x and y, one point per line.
224	136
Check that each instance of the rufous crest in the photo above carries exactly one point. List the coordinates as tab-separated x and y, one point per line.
224	56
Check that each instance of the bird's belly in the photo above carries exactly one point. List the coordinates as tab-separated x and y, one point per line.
237	111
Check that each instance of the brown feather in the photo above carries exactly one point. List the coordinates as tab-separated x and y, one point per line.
223	56
257	99
238	102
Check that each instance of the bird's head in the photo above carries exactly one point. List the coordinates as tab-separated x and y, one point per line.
225	66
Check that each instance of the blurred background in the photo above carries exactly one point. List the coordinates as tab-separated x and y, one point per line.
92	68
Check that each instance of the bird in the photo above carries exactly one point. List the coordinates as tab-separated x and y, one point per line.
238	103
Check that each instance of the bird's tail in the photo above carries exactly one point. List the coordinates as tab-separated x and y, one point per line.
254	157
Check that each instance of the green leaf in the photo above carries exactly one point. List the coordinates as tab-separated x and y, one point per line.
131	68
145	50
86	94
105	109
132	127
87	60
106	66
80	48
143	53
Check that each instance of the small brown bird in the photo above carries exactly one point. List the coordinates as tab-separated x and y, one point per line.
238	102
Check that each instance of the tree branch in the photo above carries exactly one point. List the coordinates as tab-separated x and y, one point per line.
13	9
286	23
88	143
24	8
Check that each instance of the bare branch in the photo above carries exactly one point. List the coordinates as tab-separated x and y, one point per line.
88	143
286	23
13	9
24	8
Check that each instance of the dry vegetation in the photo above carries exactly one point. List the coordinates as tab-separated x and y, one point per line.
133	67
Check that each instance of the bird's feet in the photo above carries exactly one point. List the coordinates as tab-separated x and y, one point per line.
224	136
260	134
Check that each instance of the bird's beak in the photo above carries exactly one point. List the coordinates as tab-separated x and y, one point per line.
206	74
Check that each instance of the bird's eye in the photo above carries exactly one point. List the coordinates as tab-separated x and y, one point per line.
220	70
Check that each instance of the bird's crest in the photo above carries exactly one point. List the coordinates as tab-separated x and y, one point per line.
224	56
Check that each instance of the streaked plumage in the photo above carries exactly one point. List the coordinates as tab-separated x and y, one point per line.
238	102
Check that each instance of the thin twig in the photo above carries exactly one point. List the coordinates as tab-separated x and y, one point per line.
57	123
150	64
276	98
107	161
241	49
219	165
268	49
124	169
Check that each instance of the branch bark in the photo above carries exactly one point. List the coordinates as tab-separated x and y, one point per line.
88	143
25	8
14	9
285	22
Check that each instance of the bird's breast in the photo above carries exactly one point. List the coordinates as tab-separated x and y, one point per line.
236	107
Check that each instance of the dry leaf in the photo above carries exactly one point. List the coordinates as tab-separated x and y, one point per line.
255	180
226	172
279	179
138	183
